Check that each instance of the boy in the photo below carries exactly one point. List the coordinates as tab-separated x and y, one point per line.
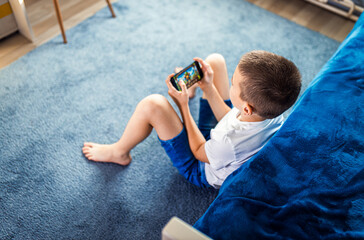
263	86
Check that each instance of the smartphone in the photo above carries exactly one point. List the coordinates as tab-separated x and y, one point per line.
190	75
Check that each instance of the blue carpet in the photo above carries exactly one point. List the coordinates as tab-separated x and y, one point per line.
58	96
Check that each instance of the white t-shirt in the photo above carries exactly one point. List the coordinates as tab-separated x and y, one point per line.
233	142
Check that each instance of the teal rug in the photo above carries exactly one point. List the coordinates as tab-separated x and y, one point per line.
58	96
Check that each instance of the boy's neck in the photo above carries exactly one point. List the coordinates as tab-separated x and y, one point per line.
250	118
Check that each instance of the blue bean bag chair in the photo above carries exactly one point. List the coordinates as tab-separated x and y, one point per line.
308	181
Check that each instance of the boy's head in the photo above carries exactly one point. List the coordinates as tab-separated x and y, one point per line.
269	83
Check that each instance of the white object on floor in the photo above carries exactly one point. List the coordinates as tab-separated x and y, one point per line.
21	18
176	229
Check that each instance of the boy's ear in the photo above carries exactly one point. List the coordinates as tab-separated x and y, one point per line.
247	109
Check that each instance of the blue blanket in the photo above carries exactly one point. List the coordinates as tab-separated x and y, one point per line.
308	181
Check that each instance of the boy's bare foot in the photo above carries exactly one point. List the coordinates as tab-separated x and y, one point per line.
192	89
105	153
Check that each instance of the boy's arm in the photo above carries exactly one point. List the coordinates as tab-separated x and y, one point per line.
195	138
217	104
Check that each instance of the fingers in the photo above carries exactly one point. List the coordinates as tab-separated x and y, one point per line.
168	79
204	64
171	89
183	86
168	82
200	60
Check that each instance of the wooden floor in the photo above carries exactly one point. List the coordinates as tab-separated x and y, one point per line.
310	16
42	18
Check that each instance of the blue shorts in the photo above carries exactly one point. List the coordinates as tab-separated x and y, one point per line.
178	148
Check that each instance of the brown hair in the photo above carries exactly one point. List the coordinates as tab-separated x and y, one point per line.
272	83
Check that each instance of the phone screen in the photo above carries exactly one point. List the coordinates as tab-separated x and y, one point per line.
189	75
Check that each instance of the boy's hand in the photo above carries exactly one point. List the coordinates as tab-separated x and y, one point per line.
208	74
179	97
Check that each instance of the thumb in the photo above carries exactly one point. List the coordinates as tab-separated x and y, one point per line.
182	85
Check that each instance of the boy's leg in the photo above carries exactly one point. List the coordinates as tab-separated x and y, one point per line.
221	79
207	119
153	111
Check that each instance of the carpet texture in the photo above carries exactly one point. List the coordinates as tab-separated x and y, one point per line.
58	96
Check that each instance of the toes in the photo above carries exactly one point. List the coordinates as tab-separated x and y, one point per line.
177	69
88	144
85	149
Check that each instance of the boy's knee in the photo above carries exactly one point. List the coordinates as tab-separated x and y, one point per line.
154	104
216	59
